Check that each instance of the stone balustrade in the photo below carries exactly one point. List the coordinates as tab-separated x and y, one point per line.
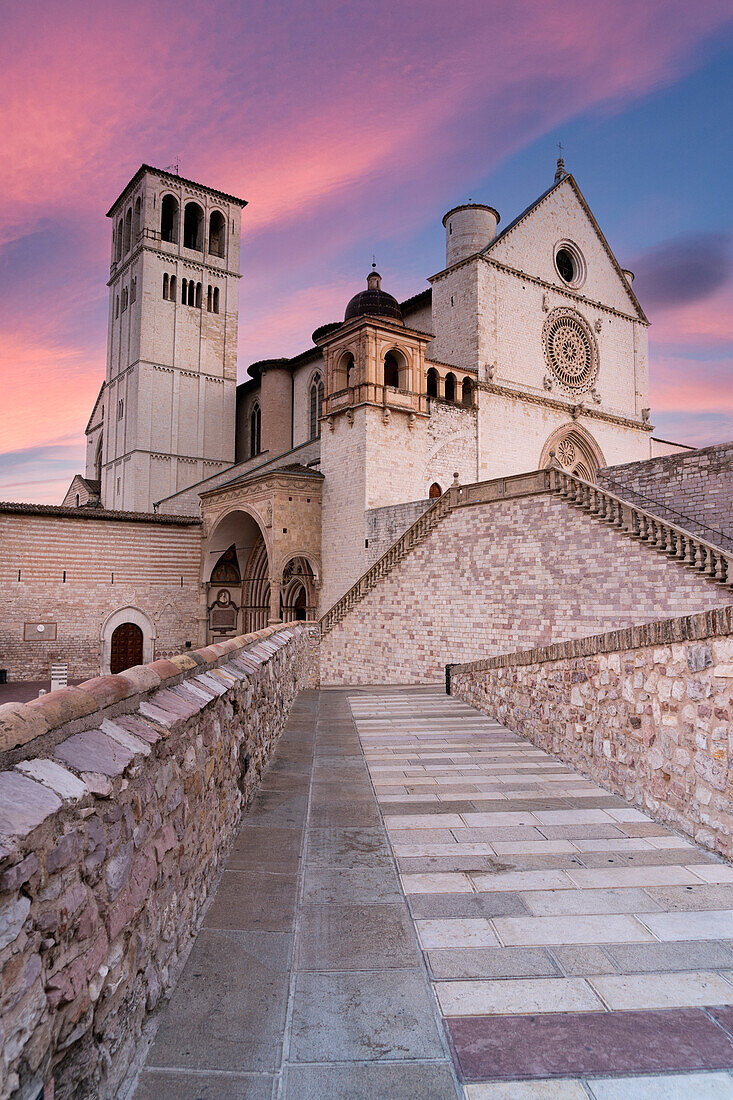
646	711
685	547
118	802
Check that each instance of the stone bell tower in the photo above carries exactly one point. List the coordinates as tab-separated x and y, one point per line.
375	415
170	388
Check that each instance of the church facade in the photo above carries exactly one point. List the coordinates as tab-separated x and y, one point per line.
529	347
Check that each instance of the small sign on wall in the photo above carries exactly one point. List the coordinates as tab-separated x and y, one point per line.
39	632
59	676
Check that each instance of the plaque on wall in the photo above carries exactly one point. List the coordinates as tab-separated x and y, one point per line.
39	632
223	618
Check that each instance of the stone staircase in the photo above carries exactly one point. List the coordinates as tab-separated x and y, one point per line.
688	549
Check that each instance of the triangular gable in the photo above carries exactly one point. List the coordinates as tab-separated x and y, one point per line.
501	248
90	422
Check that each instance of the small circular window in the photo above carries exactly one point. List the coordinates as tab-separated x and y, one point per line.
569	263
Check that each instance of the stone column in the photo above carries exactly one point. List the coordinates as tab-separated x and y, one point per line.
274	601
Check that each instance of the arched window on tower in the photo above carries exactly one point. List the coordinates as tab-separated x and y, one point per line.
133	290
435	491
166	285
255	425
128	231
191	292
217	233
136	220
193	226
467	392
169	219
391	370
216	299
450	387
184	292
173	288
316	406
209	293
432	382
198	295
118	255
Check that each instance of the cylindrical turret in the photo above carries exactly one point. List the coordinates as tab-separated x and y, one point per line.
628	275
468	229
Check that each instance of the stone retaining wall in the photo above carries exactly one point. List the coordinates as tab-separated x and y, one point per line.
118	801
697	484
645	711
505	575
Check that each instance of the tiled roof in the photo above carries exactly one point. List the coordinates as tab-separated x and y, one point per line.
95	513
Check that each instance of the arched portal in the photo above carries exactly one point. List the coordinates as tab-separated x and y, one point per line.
127	638
298	590
236	577
575	451
126	647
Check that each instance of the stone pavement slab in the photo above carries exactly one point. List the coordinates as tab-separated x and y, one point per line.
612	934
421	904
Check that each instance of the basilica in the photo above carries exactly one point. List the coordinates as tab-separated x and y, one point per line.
530	342
209	508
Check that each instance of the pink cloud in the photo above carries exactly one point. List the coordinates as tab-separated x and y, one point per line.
338	123
708	322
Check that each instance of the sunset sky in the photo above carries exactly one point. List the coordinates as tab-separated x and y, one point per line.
351	128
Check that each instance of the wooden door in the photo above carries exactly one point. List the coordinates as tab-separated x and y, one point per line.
127	647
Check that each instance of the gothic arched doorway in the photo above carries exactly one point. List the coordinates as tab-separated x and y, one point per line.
126	647
575	451
298	591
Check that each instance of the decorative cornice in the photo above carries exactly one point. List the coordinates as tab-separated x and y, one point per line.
566	292
144	244
569	407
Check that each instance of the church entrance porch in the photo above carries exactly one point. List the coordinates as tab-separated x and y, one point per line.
261	552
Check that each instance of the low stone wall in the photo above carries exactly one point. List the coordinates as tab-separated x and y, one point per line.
118	801
696	484
645	711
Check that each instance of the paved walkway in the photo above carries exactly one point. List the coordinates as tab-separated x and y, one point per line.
574	947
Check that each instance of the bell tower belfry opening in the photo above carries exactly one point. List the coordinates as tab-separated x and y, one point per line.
170	390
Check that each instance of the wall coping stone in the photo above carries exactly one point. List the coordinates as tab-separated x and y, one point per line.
687	628
36	727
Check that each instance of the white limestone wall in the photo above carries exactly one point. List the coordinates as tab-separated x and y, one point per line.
529	247
455	312
343	554
451	445
513	434
512	312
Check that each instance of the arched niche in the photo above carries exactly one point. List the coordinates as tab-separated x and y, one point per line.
117	619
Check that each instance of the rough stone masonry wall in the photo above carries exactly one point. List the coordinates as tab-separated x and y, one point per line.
118	802
698	484
645	711
502	576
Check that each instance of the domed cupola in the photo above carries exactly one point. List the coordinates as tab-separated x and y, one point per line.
374	302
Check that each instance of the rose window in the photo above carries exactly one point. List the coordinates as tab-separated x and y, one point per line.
570	350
